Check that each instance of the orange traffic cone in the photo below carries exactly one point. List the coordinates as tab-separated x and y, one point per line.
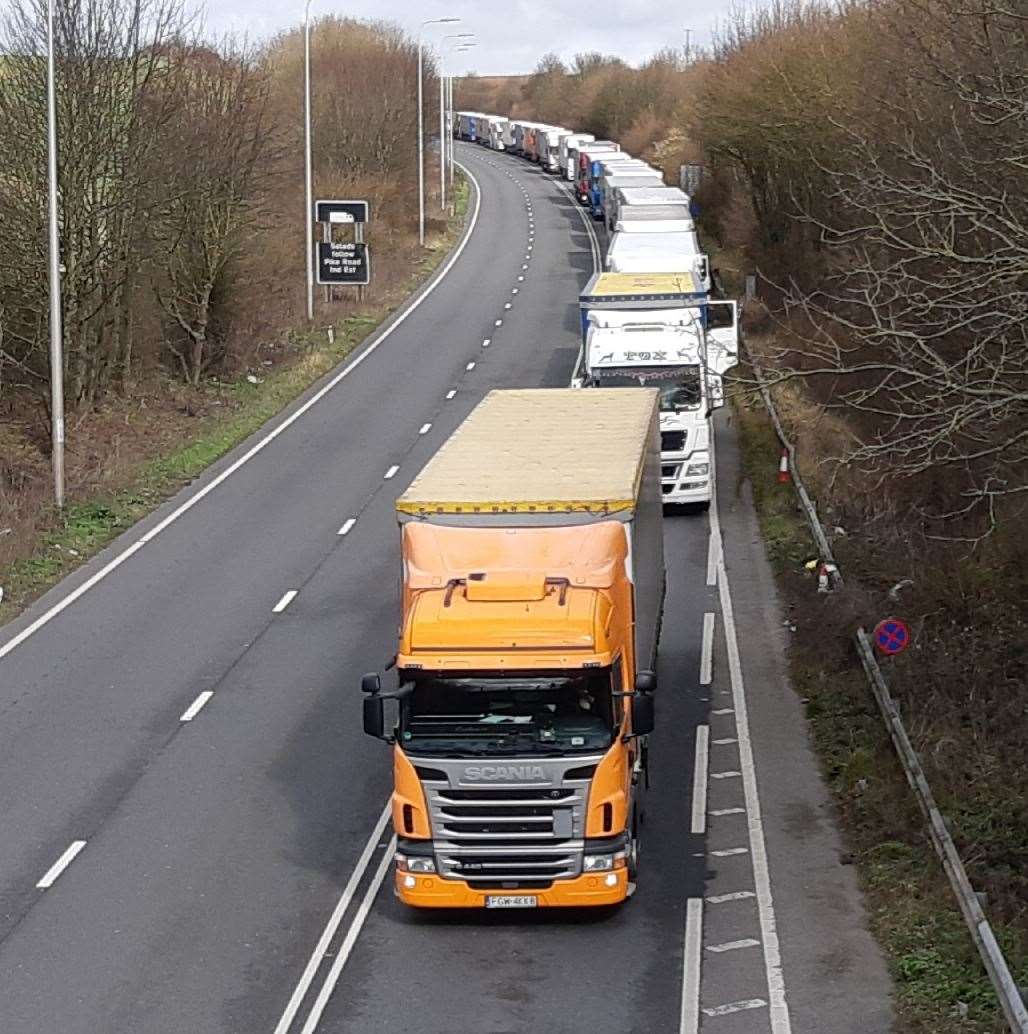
783	468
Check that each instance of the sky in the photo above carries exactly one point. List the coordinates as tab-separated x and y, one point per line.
512	36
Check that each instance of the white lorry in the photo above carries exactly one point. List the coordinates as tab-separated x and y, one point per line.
644	197
569	152
658	253
663	331
624	176
653	219
549	148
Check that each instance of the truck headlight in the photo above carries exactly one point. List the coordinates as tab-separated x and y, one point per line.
603	862
415	864
697	469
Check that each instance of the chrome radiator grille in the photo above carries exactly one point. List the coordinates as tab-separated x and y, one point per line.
509	836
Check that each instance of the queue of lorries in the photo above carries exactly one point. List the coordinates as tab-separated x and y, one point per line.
532	570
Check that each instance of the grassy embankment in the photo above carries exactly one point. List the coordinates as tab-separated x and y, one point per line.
941	985
229	412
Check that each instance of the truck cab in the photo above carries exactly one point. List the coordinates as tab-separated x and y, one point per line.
663	331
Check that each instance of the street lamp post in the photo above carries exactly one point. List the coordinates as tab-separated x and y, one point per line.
449	93
308	174
445	124
421	127
56	335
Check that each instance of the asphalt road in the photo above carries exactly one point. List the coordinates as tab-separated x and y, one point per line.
229	878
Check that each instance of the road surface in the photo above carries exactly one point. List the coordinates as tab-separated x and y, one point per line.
192	820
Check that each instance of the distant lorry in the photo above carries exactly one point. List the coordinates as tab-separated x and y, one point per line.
588	157
569	152
658	253
495	136
651	218
549	148
638	175
532	585
644	197
663	331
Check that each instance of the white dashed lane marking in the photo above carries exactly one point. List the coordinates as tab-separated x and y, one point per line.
196	706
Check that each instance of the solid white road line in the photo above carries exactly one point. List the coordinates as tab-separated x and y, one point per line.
727	1010
735	895
345	529
713	549
720	812
314	1016
699	780
724	710
746	942
391	472
779	1009
689	1020
325	940
707	650
60	865
451	393
112	565
725	739
285	601
424	428
728	852
196	706
725	775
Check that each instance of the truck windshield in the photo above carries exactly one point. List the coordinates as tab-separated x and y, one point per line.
680	386
509	714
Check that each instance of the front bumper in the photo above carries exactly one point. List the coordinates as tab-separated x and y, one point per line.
431	891
676	493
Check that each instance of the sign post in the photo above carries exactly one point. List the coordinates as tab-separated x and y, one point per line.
891	636
343	262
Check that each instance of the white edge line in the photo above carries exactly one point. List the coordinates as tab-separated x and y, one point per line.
62	863
311	969
699	780
287	598
713	551
689	1022
707	650
345	529
778	1007
348	942
113	564
196	706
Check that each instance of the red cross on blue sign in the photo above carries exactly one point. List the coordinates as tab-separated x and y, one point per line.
892	636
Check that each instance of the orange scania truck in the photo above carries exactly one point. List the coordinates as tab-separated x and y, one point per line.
532	591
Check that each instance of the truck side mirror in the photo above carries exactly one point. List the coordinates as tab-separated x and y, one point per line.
374	716
642	714
371	683
645	682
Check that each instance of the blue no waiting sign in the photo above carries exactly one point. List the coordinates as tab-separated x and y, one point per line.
892	636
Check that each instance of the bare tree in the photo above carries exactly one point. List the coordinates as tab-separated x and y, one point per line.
218	159
921	325
112	107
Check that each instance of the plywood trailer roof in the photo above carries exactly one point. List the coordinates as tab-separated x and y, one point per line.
539	451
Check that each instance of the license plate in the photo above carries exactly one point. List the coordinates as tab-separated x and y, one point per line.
511	901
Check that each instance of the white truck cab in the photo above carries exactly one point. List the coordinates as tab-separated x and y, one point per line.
684	349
